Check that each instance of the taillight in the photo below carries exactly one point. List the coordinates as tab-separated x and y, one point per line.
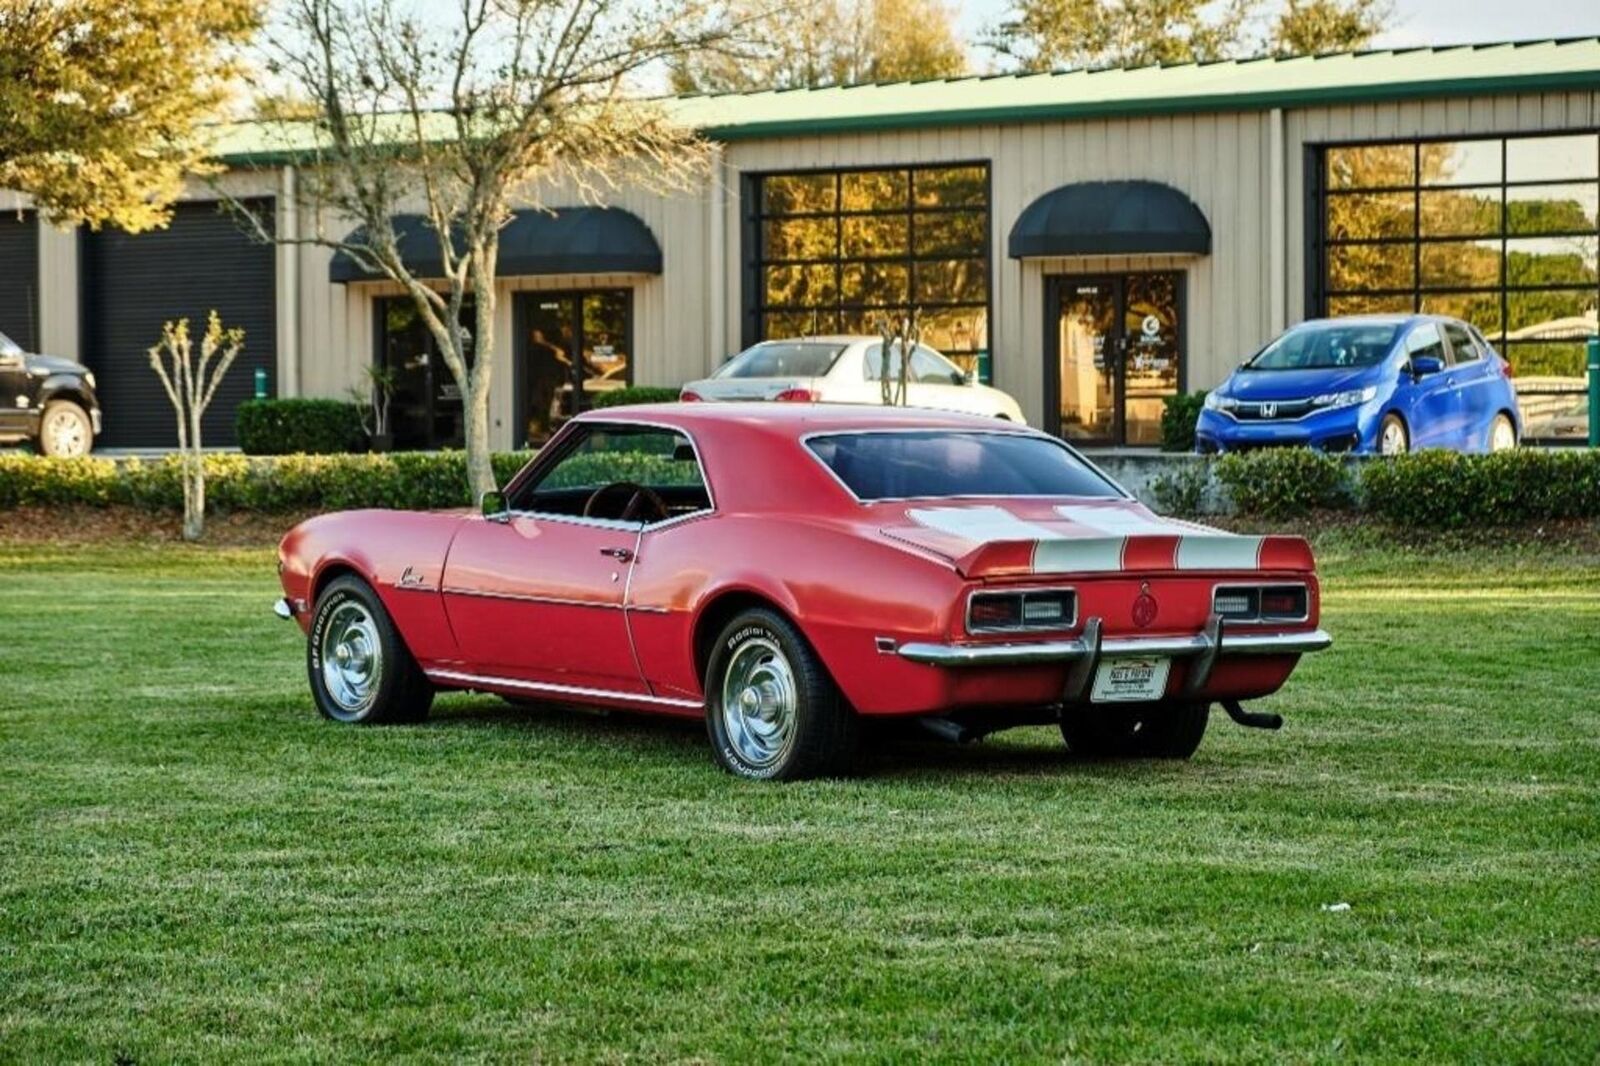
796	396
1261	603
1505	366
690	396
1026	609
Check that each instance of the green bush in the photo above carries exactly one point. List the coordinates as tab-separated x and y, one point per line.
408	480
1182	491
300	426
1446	490
1284	482
1179	413
636	394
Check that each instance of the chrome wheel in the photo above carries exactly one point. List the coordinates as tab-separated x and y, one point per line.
760	704
1392	441
64	434
1502	435
352	658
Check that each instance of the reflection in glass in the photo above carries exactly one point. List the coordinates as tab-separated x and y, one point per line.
1461	163
1369	305
788	194
870	236
1552	261
951	281
875	190
1088	319
1371	266
1372	166
1572	208
952	186
801	238
874	283
1550	313
957	232
1356	216
1461	264
1565	158
1481	309
1150	363
800	285
1461	213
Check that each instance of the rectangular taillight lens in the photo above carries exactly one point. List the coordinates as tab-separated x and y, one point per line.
1261	603
1027	609
1283	603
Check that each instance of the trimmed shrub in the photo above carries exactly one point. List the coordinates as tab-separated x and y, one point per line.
1284	482
1179	413
636	394
300	426
1446	490
1183	491
419	480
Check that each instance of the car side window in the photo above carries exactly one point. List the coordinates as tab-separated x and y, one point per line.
1461	344
1425	340
929	368
872	364
660	460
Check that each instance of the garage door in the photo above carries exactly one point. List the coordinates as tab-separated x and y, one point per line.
19	278
132	284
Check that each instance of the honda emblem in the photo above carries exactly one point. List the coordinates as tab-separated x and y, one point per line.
1269	410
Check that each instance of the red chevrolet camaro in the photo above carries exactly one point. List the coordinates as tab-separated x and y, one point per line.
788	570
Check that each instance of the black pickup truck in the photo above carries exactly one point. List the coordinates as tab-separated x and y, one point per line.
47	401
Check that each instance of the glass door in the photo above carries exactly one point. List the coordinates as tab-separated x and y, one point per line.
1089	338
1118	355
572	346
425	406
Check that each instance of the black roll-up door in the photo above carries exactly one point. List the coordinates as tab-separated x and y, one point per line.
134	283
19	278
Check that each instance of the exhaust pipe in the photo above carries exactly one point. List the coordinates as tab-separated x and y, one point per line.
1252	719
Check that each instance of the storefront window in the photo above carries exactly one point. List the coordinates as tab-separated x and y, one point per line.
573	347
840	251
1501	232
425	407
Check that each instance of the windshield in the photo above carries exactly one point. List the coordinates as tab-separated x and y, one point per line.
782	360
9	346
1324	347
939	463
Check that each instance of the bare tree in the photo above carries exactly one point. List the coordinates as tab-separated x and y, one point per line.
191	386
462	114
900	337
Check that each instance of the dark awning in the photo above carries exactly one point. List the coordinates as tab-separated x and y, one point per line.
1111	218
568	240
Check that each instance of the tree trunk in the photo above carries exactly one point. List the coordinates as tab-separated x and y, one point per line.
475	399
194	488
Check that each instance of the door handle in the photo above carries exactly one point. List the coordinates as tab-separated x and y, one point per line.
622	555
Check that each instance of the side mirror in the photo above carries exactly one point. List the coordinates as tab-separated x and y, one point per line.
1421	366
492	505
960	377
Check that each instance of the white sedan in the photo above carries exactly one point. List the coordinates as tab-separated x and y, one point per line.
847	370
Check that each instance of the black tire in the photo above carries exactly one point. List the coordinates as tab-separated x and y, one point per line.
819	737
1393	423
1135	731
75	439
395	691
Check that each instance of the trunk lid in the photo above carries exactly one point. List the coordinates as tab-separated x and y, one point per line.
725	390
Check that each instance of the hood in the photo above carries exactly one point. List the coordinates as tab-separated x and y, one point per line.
1297	384
52	364
1019	537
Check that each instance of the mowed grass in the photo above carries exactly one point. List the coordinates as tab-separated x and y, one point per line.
194	866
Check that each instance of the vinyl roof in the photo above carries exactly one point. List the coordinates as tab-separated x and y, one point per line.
1228	85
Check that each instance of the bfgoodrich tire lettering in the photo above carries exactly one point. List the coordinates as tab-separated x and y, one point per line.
360	670
772	711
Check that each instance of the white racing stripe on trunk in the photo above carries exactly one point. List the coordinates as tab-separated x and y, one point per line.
1219	551
1199	547
1061	555
981	525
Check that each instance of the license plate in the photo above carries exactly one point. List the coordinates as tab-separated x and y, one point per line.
1120	680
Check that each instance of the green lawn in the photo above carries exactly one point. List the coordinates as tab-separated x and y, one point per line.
194	866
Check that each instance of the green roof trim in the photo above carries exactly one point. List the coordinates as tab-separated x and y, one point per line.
1231	85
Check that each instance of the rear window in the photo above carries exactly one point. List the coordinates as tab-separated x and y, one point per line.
938	463
783	360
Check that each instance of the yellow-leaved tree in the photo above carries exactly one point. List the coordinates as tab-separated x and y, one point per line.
101	101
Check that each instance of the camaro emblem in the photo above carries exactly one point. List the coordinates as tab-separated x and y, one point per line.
1269	410
1144	607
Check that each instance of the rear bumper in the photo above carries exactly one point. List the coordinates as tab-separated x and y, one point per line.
1066	651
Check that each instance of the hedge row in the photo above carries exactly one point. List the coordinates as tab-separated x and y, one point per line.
635	394
1426	490
293	426
243	483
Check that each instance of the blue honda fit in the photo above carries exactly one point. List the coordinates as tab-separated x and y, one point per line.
1376	383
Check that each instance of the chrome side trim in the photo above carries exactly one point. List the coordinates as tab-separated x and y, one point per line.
575	691
554	601
1059	651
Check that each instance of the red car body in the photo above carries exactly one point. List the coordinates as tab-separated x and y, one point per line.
534	606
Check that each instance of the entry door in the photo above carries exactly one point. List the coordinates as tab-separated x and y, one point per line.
572	346
1118	356
425	408
539	598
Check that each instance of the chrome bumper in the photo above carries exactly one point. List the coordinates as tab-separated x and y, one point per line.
1057	651
283	609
